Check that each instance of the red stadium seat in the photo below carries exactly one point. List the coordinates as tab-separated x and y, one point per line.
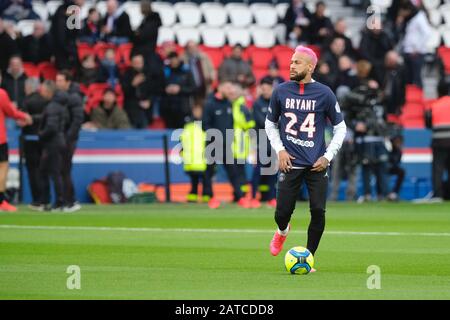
47	70
94	88
261	57
444	54
101	47
31	70
123	54
283	55
414	94
214	54
83	50
93	101
260	73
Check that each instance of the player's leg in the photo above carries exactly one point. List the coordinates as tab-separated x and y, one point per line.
317	184
192	196
288	188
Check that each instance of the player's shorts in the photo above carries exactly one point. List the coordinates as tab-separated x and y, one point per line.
4	152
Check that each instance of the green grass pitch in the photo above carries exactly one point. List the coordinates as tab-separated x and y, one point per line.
191	252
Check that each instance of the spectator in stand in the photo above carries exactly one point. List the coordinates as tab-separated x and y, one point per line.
166	48
346	78
109	72
322	74
14	81
333	53
321	26
145	37
417	31
115	25
340	28
36	47
8	47
202	71
395	169
297	15
34	105
88	72
17	10
176	105
375	43
235	69
90	32
64	37
137	87
394	83
108	115
274	75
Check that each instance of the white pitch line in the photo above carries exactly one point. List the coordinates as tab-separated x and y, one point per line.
195	230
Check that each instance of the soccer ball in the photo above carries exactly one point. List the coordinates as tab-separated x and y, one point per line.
299	260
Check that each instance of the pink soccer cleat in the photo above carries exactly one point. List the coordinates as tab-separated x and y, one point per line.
313	270
276	245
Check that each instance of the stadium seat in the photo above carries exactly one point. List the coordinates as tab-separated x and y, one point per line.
41	9
52	5
166	12
133	9
47	70
382	4
185	34
414	94
83	50
123	54
31	70
85	10
445	10
238	36
281	9
25	27
431	4
283	56
260	73
216	55
444	54
240	14
101	47
435	17
101	8
280	33
165	34
260	57
265	14
188	13
212	36
263	37
214	13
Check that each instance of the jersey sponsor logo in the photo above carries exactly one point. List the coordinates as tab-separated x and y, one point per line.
303	143
301	104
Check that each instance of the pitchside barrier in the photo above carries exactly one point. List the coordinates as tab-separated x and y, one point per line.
151	157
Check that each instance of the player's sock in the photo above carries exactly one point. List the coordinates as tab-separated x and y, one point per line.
283	232
315	229
2	196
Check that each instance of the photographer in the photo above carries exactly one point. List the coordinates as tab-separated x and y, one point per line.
365	115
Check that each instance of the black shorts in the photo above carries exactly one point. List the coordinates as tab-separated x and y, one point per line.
4	152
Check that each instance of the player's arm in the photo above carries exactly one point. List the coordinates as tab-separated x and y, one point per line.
273	133
334	114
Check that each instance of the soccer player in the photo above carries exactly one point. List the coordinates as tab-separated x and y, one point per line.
295	125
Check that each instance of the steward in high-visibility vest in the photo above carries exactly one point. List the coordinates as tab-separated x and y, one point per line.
437	118
240	147
193	153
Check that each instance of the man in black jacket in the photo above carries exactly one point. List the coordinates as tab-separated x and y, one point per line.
36	47
14	81
180	86
33	104
75	110
394	84
9	48
116	26
51	134
145	37
140	85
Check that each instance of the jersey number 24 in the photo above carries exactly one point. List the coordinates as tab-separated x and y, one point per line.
306	126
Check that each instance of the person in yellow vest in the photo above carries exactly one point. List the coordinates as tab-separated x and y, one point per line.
193	153
437	118
242	123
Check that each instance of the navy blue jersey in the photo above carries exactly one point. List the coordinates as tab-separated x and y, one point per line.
302	112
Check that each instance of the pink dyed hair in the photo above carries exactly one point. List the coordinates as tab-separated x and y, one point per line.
309	52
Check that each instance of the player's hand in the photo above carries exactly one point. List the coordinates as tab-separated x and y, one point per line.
320	165
284	159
